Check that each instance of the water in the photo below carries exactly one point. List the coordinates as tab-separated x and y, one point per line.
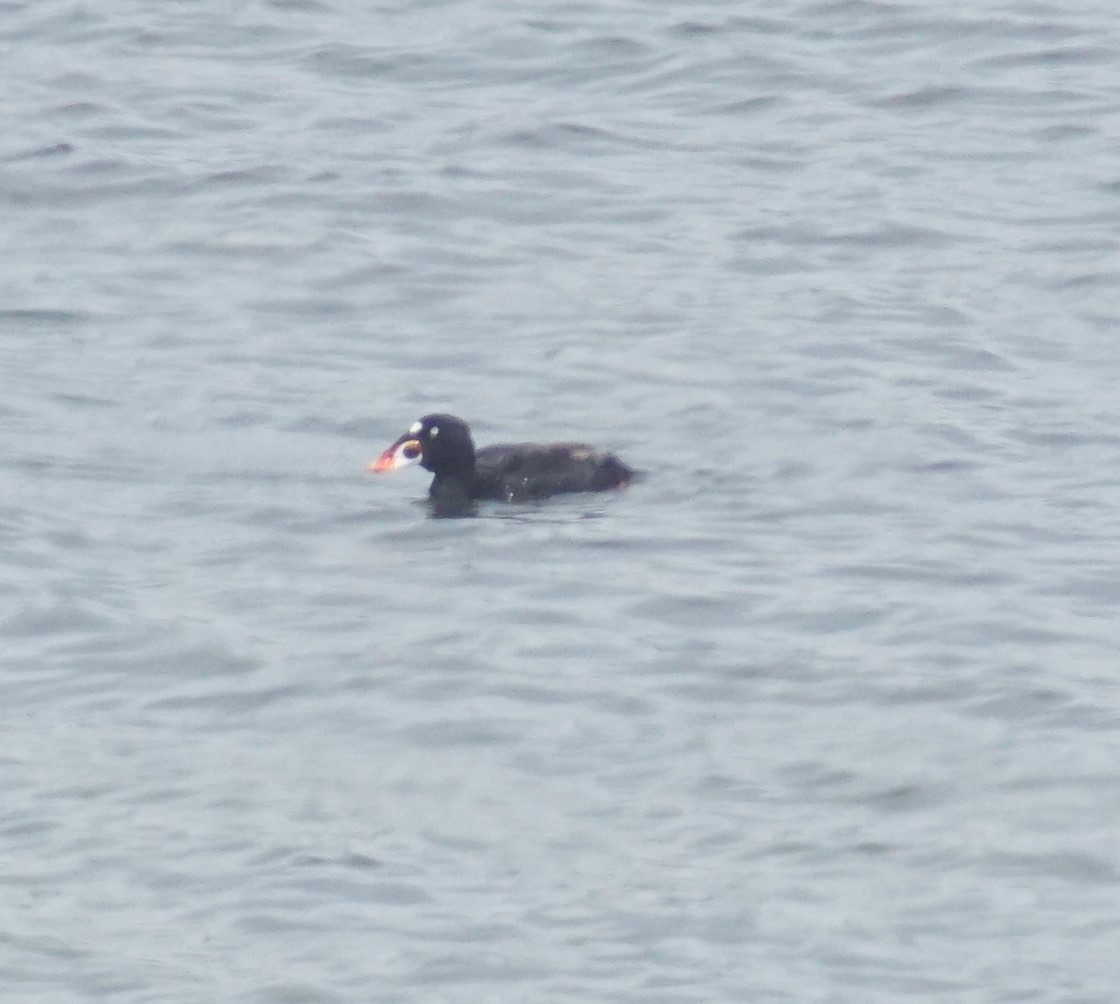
822	710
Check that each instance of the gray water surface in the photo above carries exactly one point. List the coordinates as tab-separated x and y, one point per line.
824	709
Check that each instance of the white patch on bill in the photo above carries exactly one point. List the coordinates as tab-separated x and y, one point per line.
415	428
405	454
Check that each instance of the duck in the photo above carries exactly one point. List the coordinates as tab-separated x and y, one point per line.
508	472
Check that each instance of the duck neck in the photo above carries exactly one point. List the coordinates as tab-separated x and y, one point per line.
452	494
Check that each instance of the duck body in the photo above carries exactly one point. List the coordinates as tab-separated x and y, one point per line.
511	472
518	472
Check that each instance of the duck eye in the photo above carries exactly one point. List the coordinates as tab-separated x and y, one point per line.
433	432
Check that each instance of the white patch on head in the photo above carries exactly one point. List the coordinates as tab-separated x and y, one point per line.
433	432
415	428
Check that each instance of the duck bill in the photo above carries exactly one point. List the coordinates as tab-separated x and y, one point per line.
404	452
